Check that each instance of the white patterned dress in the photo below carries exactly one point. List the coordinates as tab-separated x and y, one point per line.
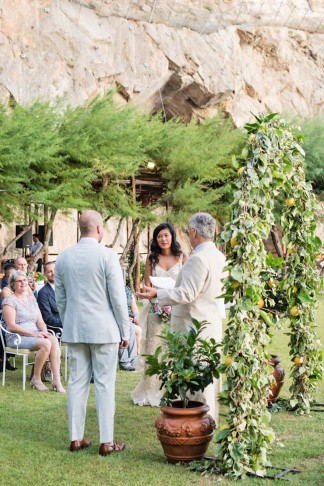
26	316
148	392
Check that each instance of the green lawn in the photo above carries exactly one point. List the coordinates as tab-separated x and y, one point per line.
34	439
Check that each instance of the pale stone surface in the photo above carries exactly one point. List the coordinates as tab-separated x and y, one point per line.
186	57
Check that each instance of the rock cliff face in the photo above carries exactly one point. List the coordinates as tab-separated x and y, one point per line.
183	57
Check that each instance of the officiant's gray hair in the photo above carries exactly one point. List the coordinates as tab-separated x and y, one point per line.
205	225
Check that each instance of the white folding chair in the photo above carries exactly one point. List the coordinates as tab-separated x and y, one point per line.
16	351
63	346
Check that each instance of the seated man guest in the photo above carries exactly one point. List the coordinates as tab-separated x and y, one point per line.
21	264
46	299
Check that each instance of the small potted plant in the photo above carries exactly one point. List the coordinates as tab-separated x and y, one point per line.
185	364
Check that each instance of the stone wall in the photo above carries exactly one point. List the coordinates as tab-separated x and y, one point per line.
181	56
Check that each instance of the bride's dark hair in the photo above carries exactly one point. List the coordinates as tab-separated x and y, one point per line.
155	249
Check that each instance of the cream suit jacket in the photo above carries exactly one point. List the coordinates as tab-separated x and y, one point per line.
196	288
90	294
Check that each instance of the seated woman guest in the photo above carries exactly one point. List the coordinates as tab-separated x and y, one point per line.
22	316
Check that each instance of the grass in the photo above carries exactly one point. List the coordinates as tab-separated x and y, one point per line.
34	439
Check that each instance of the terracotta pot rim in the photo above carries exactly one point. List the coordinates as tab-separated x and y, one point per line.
191	410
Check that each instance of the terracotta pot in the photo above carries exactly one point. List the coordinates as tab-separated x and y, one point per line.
185	433
279	376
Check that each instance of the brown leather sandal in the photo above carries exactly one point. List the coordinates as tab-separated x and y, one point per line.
108	448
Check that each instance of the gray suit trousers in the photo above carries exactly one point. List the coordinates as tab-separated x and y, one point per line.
101	359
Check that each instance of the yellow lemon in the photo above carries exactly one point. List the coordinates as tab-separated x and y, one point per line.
291	251
173	376
261	303
290	202
271	283
233	241
294	311
295	289
240	171
228	360
298	360
235	284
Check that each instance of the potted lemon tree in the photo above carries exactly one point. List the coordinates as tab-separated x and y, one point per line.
185	364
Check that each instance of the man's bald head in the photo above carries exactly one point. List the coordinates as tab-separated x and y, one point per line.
21	264
91	224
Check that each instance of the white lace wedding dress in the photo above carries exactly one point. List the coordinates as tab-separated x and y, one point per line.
148	392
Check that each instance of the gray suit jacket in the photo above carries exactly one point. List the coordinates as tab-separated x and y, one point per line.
196	288
90	294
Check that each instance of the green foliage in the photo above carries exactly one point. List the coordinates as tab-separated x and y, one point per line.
264	290
313	132
29	147
79	158
196	163
185	363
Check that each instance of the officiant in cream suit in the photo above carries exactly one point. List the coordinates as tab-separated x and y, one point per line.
91	300
195	292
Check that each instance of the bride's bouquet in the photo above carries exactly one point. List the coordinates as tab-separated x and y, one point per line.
164	312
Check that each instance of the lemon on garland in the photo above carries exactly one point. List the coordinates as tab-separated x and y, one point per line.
233	241
298	360
228	360
290	202
240	171
261	303
236	284
294	311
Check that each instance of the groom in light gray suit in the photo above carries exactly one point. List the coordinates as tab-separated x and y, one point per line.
91	300
196	290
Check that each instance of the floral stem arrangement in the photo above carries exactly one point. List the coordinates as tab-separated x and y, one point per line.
185	363
271	170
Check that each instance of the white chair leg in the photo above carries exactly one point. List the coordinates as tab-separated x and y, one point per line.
4	368
25	363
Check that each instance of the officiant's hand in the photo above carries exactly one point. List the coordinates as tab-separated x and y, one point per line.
147	293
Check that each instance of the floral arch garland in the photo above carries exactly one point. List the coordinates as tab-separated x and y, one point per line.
267	289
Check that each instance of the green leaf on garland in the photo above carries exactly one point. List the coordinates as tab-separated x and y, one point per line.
304	297
270	116
237	451
237	273
222	434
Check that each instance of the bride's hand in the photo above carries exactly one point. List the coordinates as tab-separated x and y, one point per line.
147	293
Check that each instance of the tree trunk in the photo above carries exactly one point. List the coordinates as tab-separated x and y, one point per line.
277	240
131	268
129	241
117	233
4	254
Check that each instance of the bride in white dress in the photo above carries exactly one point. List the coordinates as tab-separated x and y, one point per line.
164	260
